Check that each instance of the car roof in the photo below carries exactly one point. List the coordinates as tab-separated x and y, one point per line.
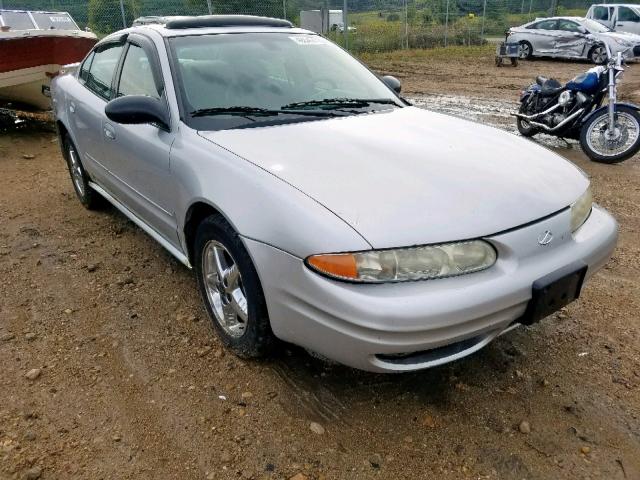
632	5
177	26
575	19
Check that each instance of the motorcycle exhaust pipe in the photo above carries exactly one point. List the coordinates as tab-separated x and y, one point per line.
560	125
536	115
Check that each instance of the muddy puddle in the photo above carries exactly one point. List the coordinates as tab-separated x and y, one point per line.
488	111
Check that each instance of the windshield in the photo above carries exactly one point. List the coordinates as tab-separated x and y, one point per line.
17	20
272	73
594	27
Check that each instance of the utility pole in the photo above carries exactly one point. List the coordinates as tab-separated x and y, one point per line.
446	25
484	15
124	17
406	25
209	7
284	9
345	24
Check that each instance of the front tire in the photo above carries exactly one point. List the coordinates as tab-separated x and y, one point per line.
598	54
231	290
525	52
79	178
624	143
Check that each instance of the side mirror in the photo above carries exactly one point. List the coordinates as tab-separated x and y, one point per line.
583	30
393	83
137	109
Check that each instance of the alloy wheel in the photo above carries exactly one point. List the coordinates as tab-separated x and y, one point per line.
224	289
599	55
524	51
76	170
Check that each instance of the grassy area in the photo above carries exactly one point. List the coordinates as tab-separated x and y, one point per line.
459	52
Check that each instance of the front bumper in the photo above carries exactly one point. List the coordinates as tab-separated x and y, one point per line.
415	325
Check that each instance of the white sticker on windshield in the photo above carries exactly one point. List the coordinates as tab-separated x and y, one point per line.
308	39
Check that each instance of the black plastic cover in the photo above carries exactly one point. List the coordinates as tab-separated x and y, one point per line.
208	21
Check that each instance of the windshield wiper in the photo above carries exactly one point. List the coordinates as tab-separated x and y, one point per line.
336	103
255	111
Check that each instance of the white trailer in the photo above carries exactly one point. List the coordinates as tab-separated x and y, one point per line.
322	21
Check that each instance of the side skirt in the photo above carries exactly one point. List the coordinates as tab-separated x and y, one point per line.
150	231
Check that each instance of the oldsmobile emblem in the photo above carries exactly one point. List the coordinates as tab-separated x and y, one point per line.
545	237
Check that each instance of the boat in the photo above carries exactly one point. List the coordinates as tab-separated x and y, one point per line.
34	45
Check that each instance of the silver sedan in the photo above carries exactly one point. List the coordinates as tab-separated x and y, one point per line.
571	37
317	206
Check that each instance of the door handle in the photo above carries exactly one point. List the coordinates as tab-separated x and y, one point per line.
72	107
109	132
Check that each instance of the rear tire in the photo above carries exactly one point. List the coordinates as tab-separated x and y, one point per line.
235	302
592	134
79	178
525	51
524	127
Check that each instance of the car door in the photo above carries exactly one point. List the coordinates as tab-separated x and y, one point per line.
628	20
85	106
571	41
542	36
139	154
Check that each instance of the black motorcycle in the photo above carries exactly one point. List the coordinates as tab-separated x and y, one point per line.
608	133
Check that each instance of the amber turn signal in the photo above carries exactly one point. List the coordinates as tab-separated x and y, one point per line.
341	265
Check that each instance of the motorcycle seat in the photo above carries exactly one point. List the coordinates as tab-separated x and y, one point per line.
549	86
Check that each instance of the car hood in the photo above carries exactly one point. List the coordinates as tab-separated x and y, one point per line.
411	176
627	37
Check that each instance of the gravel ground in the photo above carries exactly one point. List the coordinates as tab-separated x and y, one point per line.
110	369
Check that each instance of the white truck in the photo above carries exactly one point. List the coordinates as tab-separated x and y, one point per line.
620	17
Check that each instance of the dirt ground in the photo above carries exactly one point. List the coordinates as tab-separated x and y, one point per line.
110	370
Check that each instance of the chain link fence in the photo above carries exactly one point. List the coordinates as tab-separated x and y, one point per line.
371	25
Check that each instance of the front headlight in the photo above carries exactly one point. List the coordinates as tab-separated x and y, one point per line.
580	210
406	264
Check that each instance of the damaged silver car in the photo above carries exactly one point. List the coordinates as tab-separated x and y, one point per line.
572	37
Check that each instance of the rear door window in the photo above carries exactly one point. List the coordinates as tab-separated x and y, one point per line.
568	26
83	75
625	14
101	71
544	25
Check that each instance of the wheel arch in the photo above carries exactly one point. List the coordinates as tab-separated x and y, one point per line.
62	131
196	213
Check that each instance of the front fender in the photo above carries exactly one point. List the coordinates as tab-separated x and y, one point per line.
597	111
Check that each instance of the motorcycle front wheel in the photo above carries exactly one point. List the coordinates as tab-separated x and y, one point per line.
602	145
